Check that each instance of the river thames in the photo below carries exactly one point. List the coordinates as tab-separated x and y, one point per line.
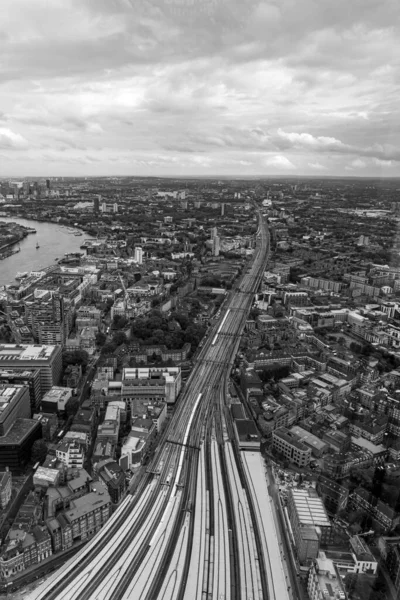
53	242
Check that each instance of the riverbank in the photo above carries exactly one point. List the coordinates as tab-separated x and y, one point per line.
54	242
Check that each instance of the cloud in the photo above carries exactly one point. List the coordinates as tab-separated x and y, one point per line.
383	163
279	162
317	166
231	84
306	140
358	164
10	139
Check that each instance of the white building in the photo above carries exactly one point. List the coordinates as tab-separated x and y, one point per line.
71	454
139	255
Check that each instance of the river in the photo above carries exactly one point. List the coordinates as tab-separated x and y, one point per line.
53	242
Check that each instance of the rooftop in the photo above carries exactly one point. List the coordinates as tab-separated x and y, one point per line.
309	508
88	503
18	431
328	578
24	352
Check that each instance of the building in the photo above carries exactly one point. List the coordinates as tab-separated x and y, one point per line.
309	521
24	549
333	495
114	478
324	581
151	384
365	562
27	377
392	555
246	433
138	255
89	513
14	404
317	446
378	510
48	359
56	399
109	207
16	443
49	423
216	245
289	445
5	487
60	532
71	454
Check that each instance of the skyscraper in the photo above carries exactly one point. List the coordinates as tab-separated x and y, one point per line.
139	255
216	246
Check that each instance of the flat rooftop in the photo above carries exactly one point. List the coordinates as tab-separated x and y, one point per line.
24	352
328	578
310	509
7	395
18	432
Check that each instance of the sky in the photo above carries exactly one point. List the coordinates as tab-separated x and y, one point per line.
200	87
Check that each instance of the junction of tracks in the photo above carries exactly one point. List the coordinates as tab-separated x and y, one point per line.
199	525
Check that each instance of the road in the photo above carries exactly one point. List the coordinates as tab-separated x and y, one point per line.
188	529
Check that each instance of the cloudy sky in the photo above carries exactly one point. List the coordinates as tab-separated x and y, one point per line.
198	87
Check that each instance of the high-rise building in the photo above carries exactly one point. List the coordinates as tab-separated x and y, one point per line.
14	404
27	377
222	209
138	255
48	184
213	232
96	204
48	359
216	246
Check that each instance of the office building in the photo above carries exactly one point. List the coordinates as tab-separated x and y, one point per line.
138	255
14	404
309	521
216	246
291	447
29	378
56	399
48	359
16	444
96	204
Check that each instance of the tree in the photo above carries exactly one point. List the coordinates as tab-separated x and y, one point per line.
108	348
119	322
39	451
71	407
75	357
100	338
119	338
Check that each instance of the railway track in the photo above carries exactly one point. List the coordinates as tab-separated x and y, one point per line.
149	548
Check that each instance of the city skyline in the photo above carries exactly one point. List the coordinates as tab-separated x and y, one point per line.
174	89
